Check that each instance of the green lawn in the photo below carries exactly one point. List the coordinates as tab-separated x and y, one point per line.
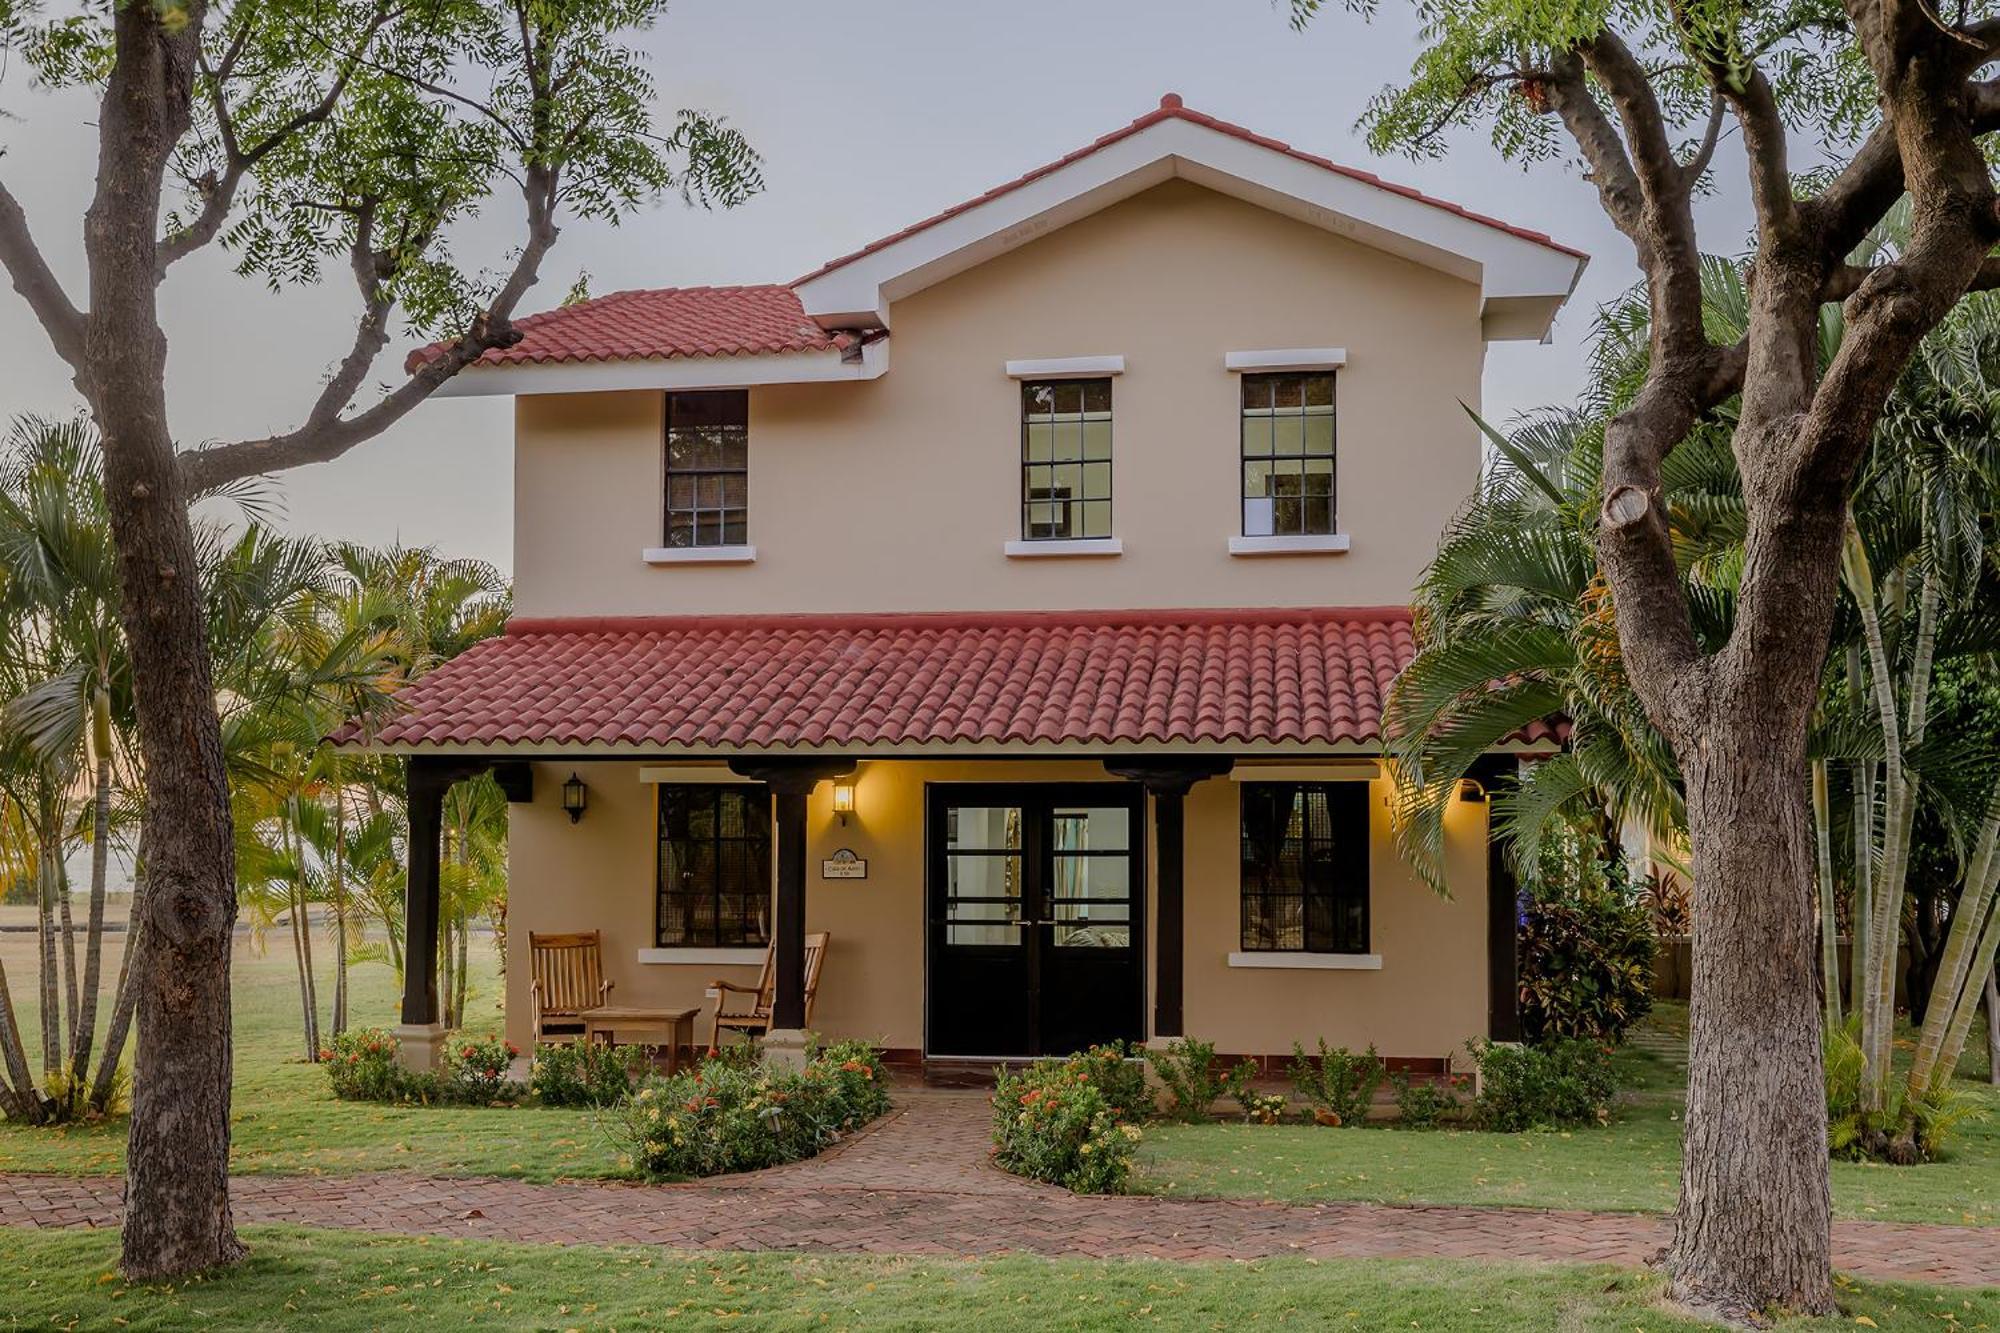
334	1282
1632	1165
285	1119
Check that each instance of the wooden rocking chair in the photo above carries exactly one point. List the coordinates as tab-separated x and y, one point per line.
567	977
756	1020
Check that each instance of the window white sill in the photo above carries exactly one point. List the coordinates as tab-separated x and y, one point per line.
700	555
1330	543
1309	962
705	957
1082	546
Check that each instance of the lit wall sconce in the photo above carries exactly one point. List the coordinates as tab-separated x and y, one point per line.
1470	791
843	797
575	794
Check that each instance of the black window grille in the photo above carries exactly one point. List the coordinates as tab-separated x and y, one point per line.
1305	866
715	866
1065	459
708	468
1288	452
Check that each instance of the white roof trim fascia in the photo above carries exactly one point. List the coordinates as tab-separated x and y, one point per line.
1287	358
1065	367
1509	269
680	372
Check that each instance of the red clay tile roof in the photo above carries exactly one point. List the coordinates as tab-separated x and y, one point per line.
660	324
1172	108
1306	678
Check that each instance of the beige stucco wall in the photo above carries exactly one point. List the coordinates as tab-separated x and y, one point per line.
898	493
1428	997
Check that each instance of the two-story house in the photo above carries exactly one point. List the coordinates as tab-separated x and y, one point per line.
1013	600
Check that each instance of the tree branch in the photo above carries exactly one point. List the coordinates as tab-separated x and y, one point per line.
37	283
219	196
326	435
1704	152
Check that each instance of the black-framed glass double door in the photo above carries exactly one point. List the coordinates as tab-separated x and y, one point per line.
1036	902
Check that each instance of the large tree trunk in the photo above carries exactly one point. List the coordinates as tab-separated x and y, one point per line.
1754	1212
177	1218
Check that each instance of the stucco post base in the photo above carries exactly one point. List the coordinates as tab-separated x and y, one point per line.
418	1046
785	1049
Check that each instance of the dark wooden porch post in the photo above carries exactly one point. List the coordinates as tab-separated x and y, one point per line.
1169	781
426	779
790	781
1503	914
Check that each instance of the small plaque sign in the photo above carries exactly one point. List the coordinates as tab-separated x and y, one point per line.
843	864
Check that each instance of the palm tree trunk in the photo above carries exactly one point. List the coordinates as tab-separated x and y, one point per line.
458	971
1967	1005
100	868
51	991
67	1028
1829	944
339	888
14	1052
1993	1025
1956	988
124	1001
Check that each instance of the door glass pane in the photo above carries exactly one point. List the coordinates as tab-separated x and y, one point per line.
983	875
983	828
1090	894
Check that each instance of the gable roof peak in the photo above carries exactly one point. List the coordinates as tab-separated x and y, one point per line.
1524	276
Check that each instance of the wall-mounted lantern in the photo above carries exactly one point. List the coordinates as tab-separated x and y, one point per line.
843	797
574	794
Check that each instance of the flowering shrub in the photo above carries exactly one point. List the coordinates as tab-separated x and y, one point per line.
474	1070
1263	1108
1531	1087
1054	1124
1118	1072
728	1116
860	1082
586	1073
1186	1069
361	1062
1340	1085
1422	1104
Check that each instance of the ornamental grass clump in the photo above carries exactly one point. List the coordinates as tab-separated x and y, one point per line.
587	1073
1053	1124
726	1116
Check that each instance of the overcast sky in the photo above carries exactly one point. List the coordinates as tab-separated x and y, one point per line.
870	114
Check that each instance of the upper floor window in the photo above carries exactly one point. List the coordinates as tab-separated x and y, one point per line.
1065	459
715	866
1288	454
708	468
1305	866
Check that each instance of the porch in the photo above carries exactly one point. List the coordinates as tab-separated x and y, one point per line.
1182	828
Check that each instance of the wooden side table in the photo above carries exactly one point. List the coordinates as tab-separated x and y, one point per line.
674	1026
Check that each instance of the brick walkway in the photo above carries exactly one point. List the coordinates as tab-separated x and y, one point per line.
918	1183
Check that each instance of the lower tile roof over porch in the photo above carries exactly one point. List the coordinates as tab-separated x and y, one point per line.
1166	701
